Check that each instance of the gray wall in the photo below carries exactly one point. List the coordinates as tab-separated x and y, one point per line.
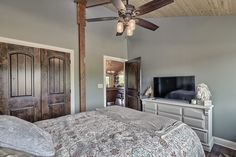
101	40
53	22
200	46
50	22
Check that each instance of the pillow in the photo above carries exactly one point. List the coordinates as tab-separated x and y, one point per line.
6	152
21	135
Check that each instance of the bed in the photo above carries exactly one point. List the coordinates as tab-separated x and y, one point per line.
121	132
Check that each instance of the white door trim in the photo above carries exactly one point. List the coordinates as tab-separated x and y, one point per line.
36	45
104	73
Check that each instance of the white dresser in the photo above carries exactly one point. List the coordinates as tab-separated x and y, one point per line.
199	118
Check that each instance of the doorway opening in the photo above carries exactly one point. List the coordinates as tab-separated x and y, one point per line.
114	81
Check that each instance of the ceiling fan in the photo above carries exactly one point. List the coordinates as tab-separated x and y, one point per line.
128	15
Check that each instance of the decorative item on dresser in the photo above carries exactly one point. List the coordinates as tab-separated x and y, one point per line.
198	117
149	92
203	94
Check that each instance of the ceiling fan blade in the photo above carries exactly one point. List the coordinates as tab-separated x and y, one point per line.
118	4
146	24
102	19
153	5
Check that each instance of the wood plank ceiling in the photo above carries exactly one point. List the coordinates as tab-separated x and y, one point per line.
190	8
114	66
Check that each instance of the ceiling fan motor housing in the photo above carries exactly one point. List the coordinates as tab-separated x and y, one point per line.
128	14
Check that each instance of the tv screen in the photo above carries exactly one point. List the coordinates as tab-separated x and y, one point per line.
179	88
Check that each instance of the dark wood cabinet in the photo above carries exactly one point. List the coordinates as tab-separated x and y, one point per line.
34	83
111	94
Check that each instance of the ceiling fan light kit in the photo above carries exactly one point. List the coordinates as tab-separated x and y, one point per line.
128	15
132	24
120	27
130	32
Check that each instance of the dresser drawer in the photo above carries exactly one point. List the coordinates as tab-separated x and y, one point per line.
194	113
170	109
194	122
150	105
172	116
147	110
202	136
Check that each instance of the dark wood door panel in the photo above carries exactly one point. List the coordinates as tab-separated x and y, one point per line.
55	83
56	75
132	73
57	105
21	74
132	102
26	113
20	95
57	110
3	79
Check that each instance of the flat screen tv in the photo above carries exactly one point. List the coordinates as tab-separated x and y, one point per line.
179	88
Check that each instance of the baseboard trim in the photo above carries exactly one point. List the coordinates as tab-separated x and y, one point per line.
225	143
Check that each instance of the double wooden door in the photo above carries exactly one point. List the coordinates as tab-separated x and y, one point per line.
34	83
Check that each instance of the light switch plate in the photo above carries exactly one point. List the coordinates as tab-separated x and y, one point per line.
100	86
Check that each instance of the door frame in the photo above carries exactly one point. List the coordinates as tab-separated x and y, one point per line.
54	48
105	58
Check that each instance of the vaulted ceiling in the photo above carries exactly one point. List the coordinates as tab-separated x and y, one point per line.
190	8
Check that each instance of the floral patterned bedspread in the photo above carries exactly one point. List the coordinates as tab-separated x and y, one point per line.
121	132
